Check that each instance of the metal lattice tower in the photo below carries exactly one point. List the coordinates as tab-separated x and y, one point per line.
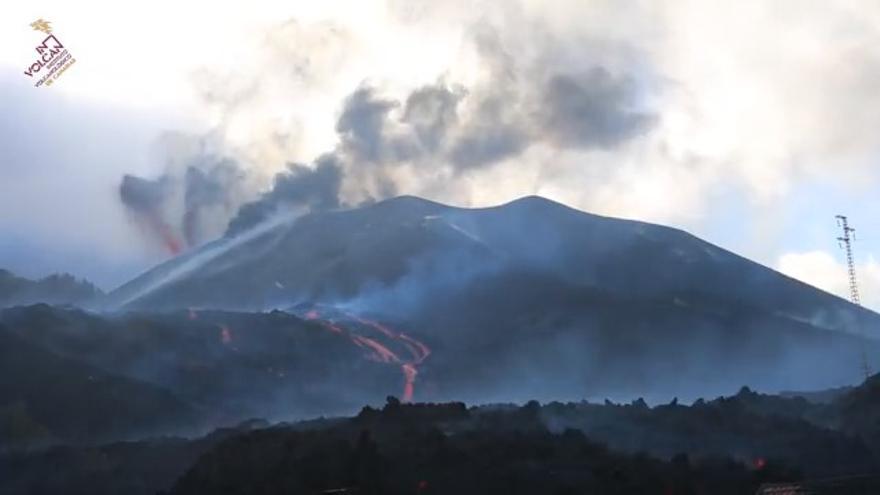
849	235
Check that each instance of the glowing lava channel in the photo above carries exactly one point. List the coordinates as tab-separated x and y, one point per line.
379	352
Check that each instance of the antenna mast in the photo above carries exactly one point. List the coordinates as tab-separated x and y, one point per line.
845	241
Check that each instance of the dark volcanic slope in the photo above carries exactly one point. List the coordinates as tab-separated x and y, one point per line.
229	366
341	254
46	398
533	299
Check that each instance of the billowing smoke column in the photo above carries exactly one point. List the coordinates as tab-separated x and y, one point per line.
432	140
313	189
211	193
351	326
145	199
183	209
380	137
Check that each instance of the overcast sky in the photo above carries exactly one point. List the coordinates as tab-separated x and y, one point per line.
750	124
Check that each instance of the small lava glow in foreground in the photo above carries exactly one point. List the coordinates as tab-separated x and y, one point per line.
225	335
378	347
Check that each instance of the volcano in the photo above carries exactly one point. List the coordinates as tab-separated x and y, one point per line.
342	255
532	299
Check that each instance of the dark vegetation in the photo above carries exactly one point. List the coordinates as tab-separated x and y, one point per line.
131	468
446	449
54	289
69	376
45	398
726	445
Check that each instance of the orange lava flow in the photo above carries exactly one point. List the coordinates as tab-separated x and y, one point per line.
420	351
409	374
380	352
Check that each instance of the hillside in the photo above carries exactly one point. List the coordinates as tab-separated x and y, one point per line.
54	289
727	445
532	299
410	243
46	399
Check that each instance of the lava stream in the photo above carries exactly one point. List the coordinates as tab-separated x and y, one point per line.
379	352
315	315
409	374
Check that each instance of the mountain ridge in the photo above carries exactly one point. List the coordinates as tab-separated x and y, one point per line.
405	209
60	288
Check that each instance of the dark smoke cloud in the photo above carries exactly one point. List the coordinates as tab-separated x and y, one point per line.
361	127
593	110
378	135
146	199
469	130
207	197
188	204
315	189
143	195
385	145
489	137
432	111
373	131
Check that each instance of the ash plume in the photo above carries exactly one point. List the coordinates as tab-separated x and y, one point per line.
591	110
145	199
189	203
432	112
299	187
430	141
209	197
381	138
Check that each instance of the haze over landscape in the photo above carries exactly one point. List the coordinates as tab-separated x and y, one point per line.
440	247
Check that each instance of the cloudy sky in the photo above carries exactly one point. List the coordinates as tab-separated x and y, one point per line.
750	124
